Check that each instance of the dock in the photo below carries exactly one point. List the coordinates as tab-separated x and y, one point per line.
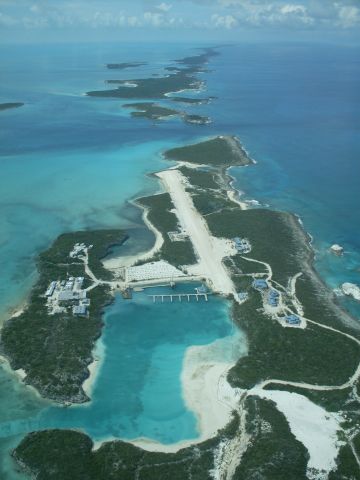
180	297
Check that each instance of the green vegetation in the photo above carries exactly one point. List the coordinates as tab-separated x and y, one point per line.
192	101
216	152
274	452
275	237
160	215
207	204
123	66
158	87
241	265
7	106
348	468
204	179
59	347
293	354
61	454
102	242
151	110
331	400
196	119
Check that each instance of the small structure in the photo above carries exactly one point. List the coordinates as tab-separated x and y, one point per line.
273	299
242	296
242	245
337	249
78	248
260	284
51	289
79	283
180	236
79	310
292	319
67	296
202	290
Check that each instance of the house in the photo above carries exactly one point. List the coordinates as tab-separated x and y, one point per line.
273	299
242	296
292	319
242	245
51	289
260	284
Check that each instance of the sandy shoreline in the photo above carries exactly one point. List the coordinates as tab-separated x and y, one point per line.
206	393
129	260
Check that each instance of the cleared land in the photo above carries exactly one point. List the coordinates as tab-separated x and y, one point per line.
209	254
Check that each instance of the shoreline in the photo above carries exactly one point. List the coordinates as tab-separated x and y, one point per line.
206	393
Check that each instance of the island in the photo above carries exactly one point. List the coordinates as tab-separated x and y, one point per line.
125	65
153	111
184	78
7	106
192	101
302	365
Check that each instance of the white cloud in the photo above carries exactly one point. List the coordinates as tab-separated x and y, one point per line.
224	21
348	15
164	7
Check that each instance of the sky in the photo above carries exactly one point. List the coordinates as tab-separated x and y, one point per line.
29	21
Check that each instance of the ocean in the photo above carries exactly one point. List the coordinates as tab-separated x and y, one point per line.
70	162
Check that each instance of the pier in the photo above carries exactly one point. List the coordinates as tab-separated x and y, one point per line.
180	297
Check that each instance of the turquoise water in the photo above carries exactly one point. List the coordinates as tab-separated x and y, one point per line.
70	162
137	392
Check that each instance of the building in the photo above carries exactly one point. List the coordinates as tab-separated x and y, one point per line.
67	296
292	319
79	310
260	284
273	299
202	290
242	245
51	289
242	296
79	282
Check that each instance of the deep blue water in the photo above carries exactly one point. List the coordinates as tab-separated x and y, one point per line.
70	162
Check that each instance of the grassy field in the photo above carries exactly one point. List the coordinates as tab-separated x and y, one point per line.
161	216
59	347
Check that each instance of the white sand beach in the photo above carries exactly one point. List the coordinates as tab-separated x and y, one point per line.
312	425
206	393
129	260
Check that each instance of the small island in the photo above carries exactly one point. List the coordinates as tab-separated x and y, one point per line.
7	106
154	111
125	65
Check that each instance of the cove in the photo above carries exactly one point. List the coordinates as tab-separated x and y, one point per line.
138	391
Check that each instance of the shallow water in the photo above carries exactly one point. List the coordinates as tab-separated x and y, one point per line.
71	162
137	391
